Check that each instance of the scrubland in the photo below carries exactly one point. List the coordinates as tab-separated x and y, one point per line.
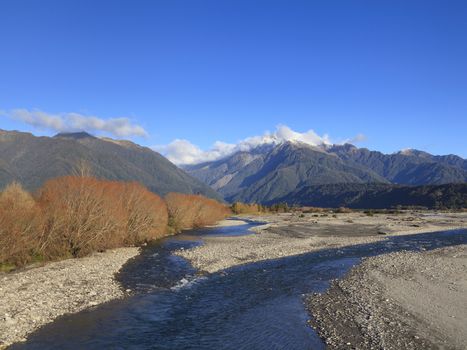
73	216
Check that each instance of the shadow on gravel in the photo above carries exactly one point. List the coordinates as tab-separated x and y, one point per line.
254	306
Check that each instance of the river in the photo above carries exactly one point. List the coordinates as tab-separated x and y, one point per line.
254	306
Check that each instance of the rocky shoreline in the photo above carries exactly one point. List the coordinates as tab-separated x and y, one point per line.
291	234
35	296
404	300
401	300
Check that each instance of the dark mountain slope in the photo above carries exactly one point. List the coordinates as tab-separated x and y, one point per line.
378	196
32	160
409	167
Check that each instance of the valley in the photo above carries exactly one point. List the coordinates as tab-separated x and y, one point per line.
233	175
331	207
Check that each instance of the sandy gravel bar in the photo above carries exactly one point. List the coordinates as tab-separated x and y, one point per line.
36	296
229	222
292	234
403	300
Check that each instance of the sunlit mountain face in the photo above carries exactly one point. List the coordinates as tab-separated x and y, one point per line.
273	171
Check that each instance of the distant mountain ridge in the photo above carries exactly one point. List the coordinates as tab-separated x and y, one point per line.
273	172
32	160
291	172
379	196
409	167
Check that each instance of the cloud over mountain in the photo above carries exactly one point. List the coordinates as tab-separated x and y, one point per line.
181	151
72	122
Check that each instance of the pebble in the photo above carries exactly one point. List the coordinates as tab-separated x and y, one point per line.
358	302
55	289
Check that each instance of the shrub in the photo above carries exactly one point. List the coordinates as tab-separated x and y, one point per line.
343	210
188	211
313	210
146	215
20	224
280	208
82	215
239	208
73	216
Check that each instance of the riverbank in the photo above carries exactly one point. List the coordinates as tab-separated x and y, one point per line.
230	222
395	301
401	300
35	296
291	234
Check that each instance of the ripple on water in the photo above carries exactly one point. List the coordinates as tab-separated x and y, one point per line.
254	306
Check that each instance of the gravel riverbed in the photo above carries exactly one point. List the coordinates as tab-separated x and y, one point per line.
401	300
35	296
404	300
291	234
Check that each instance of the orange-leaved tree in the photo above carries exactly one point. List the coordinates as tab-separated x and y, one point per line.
188	211
20	225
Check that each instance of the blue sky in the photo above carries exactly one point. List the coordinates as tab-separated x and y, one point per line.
221	70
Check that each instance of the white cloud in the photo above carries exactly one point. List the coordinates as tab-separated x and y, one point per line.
284	133
356	139
72	122
184	152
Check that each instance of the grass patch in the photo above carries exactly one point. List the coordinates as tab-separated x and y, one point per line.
7	267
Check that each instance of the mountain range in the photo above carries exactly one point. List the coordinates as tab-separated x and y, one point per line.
286	171
292	172
32	160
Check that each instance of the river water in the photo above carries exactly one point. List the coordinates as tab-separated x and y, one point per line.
254	306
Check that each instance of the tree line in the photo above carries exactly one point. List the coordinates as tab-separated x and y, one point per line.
73	216
239	208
